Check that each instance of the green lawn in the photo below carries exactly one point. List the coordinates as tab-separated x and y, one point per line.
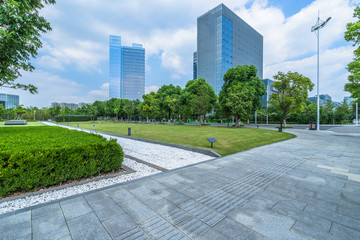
229	140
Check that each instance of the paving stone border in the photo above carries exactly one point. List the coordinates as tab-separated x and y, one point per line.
193	149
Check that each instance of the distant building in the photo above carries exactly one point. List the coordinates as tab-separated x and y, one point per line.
224	41
195	63
127	70
269	90
9	100
348	100
324	98
72	106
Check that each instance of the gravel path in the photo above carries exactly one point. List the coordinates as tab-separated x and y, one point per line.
164	156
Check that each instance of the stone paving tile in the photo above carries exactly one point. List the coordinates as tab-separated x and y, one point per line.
159	228
75	207
137	210
95	196
133	234
15	226
119	225
119	194
344	232
46	211
309	231
235	230
87	226
50	226
193	227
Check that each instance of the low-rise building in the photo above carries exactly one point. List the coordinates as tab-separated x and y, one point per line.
9	100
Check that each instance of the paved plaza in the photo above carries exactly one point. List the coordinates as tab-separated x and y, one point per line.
304	188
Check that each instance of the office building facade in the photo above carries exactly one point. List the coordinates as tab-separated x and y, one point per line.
127	70
9	100
195	63
224	40
269	90
72	106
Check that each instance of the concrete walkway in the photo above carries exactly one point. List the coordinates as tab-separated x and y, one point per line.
304	188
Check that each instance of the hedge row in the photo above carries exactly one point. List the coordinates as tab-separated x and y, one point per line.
36	157
74	118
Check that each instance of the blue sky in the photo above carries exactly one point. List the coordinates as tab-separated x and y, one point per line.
73	66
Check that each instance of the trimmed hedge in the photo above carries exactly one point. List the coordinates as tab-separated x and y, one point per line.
36	157
74	118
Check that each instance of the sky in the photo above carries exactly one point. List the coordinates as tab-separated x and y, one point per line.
73	64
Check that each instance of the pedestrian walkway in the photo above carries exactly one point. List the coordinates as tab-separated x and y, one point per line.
306	187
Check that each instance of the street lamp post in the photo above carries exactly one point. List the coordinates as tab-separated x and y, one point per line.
34	114
316	28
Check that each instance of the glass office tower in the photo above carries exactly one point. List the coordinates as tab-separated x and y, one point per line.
195	62
9	100
127	70
224	40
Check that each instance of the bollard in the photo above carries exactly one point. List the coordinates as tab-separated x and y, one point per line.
77	125
101	122
94	126
129	131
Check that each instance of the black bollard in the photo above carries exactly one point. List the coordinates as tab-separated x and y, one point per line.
129	131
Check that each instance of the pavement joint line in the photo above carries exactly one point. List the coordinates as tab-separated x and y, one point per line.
146	163
341	171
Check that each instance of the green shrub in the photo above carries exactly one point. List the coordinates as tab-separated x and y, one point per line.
35	157
74	118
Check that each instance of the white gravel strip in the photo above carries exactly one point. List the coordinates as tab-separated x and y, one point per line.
160	155
141	171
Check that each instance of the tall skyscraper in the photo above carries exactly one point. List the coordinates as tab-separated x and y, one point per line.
127	70
224	40
195	63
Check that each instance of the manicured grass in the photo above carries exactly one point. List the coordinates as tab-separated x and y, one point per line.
229	140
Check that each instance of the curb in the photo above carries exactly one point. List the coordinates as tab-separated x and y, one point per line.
193	149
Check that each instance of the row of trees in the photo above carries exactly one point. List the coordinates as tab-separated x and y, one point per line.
239	98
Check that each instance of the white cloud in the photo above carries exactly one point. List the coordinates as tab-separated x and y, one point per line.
151	89
61	52
51	88
101	94
332	77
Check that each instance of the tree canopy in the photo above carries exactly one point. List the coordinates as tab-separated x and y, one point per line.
201	96
241	92
292	90
352	34
20	32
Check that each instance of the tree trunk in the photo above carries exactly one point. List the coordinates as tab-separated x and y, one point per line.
200	119
284	118
237	121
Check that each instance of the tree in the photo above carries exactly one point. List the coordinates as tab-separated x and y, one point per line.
2	111
166	95
151	105
201	95
241	92
292	90
20	31
343	112
352	34
20	110
65	111
129	108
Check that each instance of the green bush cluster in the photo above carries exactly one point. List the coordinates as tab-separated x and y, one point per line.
74	118
36	157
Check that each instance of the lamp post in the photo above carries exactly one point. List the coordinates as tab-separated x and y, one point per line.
316	28
34	114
